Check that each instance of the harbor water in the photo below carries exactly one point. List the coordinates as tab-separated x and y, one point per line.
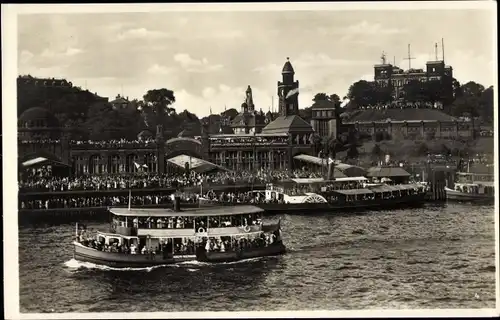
431	257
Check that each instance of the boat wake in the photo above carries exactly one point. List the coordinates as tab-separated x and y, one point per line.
76	265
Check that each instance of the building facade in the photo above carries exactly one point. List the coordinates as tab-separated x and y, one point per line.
395	78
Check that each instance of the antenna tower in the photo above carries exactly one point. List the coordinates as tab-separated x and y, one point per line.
409	57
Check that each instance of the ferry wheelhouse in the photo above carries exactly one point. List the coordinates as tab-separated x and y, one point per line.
149	237
472	187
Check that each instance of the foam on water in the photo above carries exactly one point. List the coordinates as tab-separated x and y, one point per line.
75	265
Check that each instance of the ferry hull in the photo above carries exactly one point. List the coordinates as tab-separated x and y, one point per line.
380	204
453	195
231	256
120	260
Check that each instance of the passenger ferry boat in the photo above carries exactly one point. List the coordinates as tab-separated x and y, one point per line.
468	188
351	193
151	237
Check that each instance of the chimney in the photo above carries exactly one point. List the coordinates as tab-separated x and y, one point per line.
177	204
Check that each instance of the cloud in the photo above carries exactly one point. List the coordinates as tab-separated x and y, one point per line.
157	69
69	52
367	28
25	56
310	61
141	33
228	34
193	65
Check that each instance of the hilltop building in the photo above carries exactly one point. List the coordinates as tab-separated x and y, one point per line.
390	75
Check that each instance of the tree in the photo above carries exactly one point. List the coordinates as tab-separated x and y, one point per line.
159	102
363	93
335	99
320	97
486	103
472	89
99	120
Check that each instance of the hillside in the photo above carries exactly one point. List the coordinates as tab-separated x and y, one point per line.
58	96
398	115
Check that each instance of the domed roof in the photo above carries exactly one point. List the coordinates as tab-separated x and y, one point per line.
244	105
287	68
37	113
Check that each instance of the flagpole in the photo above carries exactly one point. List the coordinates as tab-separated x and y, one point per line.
129	198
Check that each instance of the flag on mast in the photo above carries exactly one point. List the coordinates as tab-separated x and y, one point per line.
292	92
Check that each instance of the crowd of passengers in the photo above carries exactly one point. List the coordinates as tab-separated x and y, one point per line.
97	201
196	223
402	105
41	179
222	244
114	143
185	247
235	141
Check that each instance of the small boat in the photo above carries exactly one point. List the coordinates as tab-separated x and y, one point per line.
469	189
150	237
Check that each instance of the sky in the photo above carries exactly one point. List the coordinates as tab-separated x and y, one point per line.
209	58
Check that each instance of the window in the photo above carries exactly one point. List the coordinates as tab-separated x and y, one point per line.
95	164
114	164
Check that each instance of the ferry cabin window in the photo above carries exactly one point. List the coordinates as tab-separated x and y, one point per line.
188	222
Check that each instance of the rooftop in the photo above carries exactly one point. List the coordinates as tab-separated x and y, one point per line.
196	212
373	115
286	124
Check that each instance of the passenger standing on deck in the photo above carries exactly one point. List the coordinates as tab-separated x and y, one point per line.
272	238
207	245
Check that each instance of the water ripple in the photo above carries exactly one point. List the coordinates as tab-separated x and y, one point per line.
432	257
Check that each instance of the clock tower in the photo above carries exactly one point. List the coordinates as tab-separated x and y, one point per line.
288	91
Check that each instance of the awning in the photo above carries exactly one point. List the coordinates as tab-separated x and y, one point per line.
307	180
387	172
350	192
41	160
196	164
313	159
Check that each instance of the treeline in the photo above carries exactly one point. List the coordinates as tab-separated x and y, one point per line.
89	116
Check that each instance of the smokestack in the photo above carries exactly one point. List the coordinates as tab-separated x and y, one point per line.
436	50
442	47
330	171
177	203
